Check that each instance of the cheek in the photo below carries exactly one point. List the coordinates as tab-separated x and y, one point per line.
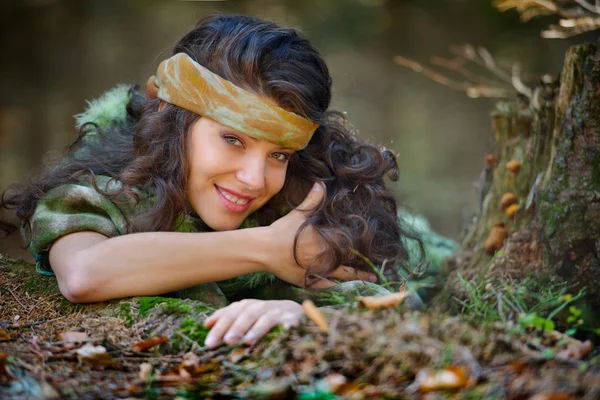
276	179
206	161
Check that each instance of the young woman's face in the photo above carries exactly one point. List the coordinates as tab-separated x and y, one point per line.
231	174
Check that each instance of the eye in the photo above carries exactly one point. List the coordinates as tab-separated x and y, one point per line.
283	157
233	140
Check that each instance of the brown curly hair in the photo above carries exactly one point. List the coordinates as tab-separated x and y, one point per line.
147	151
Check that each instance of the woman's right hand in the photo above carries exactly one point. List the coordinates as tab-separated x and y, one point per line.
310	244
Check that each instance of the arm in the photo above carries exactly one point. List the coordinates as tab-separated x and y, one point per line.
91	267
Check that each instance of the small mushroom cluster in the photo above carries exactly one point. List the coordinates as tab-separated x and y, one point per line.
509	203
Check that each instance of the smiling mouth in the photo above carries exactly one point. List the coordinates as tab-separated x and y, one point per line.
232	198
232	202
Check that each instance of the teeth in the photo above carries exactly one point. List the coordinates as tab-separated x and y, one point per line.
232	198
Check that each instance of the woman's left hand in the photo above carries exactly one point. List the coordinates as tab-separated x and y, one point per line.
248	320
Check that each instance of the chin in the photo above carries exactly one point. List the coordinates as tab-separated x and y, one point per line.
218	226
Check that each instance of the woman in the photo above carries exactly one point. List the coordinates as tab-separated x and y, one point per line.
233	132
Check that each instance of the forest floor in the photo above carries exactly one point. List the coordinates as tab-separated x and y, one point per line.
50	348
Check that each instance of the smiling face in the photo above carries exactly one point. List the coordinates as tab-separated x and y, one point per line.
231	175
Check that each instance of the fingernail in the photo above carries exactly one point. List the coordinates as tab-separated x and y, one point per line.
317	187
231	338
372	279
249	339
210	342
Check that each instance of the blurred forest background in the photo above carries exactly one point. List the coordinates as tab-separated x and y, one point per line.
55	54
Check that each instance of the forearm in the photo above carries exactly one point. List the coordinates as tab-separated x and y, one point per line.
159	262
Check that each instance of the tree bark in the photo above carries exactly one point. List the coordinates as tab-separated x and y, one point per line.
555	232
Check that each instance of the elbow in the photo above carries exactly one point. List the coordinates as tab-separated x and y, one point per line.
76	286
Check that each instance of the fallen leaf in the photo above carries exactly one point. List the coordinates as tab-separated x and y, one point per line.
145	371
149	343
4	336
184	374
95	355
237	354
315	315
335	381
449	378
382	302
71	338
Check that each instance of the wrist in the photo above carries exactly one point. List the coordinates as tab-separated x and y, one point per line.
260	247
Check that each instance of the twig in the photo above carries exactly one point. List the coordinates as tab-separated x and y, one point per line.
588	6
17	299
42	322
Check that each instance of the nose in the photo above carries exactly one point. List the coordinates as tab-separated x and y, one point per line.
252	172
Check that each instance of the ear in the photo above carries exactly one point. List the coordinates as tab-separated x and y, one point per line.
162	105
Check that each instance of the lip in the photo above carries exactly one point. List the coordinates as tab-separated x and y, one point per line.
236	194
231	206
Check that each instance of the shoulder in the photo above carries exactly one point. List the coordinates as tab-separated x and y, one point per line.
110	108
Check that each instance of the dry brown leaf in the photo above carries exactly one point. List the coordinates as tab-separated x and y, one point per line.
452	377
149	343
315	315
382	302
95	355
237	354
4	336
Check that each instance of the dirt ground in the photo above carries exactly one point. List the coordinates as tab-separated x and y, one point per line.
50	349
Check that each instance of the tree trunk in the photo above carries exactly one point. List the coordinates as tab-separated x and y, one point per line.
555	233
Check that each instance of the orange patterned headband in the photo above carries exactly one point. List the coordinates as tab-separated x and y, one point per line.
185	83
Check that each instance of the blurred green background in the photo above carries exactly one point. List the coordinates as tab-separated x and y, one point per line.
55	54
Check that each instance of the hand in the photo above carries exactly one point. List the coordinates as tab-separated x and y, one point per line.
249	320
310	244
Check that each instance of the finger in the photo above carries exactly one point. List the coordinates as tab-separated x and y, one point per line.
242	324
313	198
322	284
262	326
347	273
210	321
221	320
215	335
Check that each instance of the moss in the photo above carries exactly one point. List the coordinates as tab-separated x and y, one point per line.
275	333
168	305
124	311
190	329
40	285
